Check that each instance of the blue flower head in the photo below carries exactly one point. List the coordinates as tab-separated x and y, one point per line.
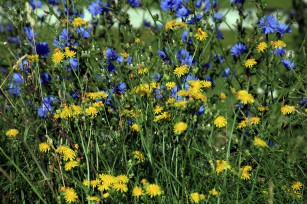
237	2
45	78
120	88
146	23
36	4
170	4
53	2
98	7
14	89
156	76
184	57
238	49
135	3
17	78
30	33
282	29
182	12
268	24
44	109
84	33
111	54
42	49
288	64
185	37
201	110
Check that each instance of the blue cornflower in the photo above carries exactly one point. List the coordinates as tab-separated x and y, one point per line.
94	8
220	34
82	32
120	58
44	109
182	12
170	4
42	49
63	40
156	76
14	89
146	23
238	49
120	88
184	57
238	2
268	24
53	2
226	73
111	54
24	65
218	58
129	60
217	16
288	64
185	37
304	101
30	33
74	63
45	78
282	29
36	4
163	55
135	3
280	51
201	110
17	78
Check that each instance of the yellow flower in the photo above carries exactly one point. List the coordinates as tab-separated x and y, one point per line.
242	124
144	181
250	63
245	175
135	127
137	40
170	25
94	198
44	147
158	109
77	22
124	54
278	44
180	127
245	97
94	183
121	187
137	191
103	186
85	182
170	85
170	101
297	186
182	70
106	195
97	95
71	164
122	179
139	156
262	46
255	120
221	165
263	108
58	57
142	70
287	109
98	104
223	96
33	58
69	53
259	142
12	132
91	111
201	35
68	154
107	178
220	121
153	190
70	195
214	192
194	197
